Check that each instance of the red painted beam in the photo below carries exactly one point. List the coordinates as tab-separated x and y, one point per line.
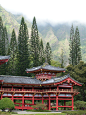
63	99
18	107
65	106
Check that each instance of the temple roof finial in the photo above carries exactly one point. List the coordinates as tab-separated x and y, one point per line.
44	64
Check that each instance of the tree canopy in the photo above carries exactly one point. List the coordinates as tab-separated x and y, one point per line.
6	103
22	54
78	72
34	43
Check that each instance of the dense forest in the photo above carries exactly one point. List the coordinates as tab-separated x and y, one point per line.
30	52
24	53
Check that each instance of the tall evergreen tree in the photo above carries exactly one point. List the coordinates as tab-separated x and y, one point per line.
3	45
41	53
6	40
1	32
3	39
48	53
13	54
23	55
3	67
74	46
71	47
77	47
34	43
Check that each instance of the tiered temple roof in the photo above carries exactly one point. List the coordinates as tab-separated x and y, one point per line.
34	81
45	67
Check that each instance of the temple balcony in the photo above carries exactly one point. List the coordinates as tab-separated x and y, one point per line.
39	91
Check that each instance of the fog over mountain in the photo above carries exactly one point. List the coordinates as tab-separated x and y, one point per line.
57	34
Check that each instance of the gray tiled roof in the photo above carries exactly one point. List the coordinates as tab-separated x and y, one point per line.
59	79
46	67
19	79
4	57
30	80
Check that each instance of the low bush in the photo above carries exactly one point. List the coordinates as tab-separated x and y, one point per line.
39	106
39	110
80	105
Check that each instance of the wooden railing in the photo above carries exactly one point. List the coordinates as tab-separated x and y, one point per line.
37	90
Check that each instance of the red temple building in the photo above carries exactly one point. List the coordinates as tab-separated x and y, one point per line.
45	87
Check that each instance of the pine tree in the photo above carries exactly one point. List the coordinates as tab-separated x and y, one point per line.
74	46
77	47
48	53
71	47
23	55
3	67
6	41
1	32
41	53
13	54
3	45
34	43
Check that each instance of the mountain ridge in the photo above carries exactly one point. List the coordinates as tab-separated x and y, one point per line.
58	35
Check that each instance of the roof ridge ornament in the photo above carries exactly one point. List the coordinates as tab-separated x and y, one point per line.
44	64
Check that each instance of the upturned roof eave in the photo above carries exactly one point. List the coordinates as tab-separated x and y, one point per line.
62	80
40	68
4	57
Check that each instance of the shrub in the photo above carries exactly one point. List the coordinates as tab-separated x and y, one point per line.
80	105
6	103
39	106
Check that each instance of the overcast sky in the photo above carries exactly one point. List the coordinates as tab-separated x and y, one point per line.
55	11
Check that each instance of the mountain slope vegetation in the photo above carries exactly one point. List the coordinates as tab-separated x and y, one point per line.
58	36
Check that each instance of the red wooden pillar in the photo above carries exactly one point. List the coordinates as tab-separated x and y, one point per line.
33	99
13	93
72	103
22	88
32	88
1	95
57	102
42	99
64	104
22	102
72	87
12	87
57	88
49	101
